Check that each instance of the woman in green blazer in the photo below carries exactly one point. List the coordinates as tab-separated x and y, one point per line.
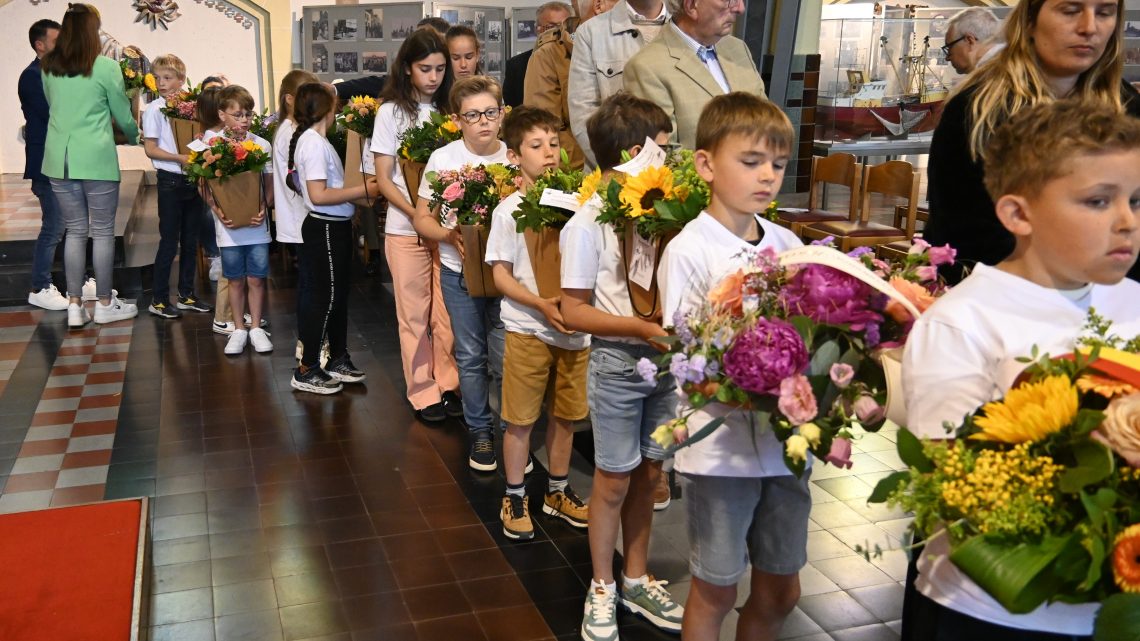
84	91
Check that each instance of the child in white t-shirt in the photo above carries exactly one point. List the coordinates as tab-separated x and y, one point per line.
745	506
1074	218
477	107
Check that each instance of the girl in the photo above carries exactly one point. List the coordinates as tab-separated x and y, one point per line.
316	173
418	85
463	45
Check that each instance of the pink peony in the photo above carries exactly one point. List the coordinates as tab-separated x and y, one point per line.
943	255
841	374
829	296
797	401
763	355
453	192
840	454
868	410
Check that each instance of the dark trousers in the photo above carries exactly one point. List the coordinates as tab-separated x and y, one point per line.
304	288
51	232
179	223
327	256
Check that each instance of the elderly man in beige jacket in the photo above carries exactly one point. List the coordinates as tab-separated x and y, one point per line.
693	60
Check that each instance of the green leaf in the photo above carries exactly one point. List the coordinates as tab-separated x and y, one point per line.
1098	553
887	486
803	326
1118	619
723	394
911	452
1094	464
1016	575
825	356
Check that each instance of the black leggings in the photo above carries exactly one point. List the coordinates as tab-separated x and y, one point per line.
327	258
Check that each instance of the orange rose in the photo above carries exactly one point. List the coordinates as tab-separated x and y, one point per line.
728	293
913	292
1121	428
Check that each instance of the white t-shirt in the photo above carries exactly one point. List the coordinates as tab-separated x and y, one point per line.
454	156
289	208
963	353
507	245
316	159
240	236
156	126
692	264
390	123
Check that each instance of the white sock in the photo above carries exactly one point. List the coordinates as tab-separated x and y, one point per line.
609	587
627	582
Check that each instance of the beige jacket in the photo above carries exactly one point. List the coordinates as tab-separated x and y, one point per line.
545	87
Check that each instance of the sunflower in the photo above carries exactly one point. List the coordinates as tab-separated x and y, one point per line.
646	188
151	83
1029	412
449	127
589	186
1126	559
1106	387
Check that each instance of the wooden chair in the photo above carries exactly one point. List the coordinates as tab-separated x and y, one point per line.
892	178
900	248
837	169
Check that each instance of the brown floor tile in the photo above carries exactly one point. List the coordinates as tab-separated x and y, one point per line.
464	539
354	553
448	516
465	627
287	561
404	632
76	350
52	393
116	339
104	400
375	611
422	572
109	357
86	459
365	580
31	482
523	623
410	546
494	593
312	620
435	602
77	495
41	448
436	495
478	565
99	378
298	589
93	428
69	370
398	522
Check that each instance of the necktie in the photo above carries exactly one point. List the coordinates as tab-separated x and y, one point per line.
706	54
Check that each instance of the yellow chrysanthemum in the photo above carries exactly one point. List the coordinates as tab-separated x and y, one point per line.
449	126
251	146
646	188
130	73
151	83
589	186
1030	412
1106	387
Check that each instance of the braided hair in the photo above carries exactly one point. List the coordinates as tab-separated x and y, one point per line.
313	103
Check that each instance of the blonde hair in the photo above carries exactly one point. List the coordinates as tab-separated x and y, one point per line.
744	114
171	62
1013	80
464	88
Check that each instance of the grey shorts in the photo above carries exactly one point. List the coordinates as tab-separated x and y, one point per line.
735	520
624	409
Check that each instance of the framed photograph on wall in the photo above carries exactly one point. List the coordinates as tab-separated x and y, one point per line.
347	42
373	24
489	24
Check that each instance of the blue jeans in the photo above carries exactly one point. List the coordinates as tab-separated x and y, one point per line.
88	207
479	344
51	232
179	223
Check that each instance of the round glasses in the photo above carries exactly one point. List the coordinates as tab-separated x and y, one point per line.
472	117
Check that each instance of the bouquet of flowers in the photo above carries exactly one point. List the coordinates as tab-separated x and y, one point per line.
265	124
796	338
134	80
181	110
417	144
232	171
1039	492
358	117
543	212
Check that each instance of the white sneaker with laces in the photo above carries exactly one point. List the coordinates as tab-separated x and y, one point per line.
116	310
599	622
236	344
48	298
215	268
77	315
299	351
260	340
225	329
89	290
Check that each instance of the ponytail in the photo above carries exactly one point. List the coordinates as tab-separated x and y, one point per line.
313	102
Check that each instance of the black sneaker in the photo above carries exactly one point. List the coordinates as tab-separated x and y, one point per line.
315	380
343	370
453	405
433	413
482	457
192	304
163	309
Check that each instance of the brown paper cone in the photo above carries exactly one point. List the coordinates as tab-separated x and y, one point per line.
353	177
646	302
545	260
413	173
239	196
185	131
476	272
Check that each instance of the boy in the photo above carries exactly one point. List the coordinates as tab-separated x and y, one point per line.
1074	220
245	250
744	505
476	104
624	409
541	355
179	205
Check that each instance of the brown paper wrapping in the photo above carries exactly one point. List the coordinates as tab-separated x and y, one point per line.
238	196
185	131
476	272
413	173
545	260
353	177
646	302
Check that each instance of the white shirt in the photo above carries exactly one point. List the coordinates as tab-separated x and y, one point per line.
507	245
157	127
454	156
692	264
316	159
391	121
650	28
288	206
963	353
240	236
713	64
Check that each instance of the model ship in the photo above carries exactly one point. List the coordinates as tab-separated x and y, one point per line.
865	109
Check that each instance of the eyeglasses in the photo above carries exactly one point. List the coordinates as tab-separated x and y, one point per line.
946	47
241	115
472	117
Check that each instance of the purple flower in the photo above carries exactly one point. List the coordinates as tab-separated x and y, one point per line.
712	369
647	370
826	295
868	410
697	365
722	338
765	354
797	401
926	272
918	245
827	241
943	255
871	336
841	374
858	252
679	366
840	454
681	326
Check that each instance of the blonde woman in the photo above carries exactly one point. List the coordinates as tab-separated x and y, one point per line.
1056	49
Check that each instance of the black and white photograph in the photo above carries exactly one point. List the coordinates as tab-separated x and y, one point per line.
480	25
450	15
375	62
495	31
345	29
320	26
320	59
1131	29
494	62
525	30
346	62
374	24
400	28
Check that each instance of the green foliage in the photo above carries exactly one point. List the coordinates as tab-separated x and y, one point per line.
533	215
417	143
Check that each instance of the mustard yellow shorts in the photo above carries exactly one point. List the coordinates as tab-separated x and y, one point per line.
532	369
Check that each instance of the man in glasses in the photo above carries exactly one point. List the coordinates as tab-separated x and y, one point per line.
971	39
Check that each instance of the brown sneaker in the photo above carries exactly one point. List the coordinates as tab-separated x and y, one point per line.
566	505
662	494
516	518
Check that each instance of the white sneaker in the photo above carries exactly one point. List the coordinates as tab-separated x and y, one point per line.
48	298
299	352
225	329
89	290
236	344
248	320
77	316
260	340
116	310
215	268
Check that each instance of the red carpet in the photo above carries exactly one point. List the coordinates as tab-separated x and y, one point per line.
69	573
